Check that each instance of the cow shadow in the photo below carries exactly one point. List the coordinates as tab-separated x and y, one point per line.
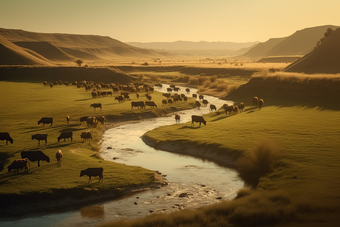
71	129
251	109
192	127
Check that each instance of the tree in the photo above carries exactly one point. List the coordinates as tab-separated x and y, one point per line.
79	62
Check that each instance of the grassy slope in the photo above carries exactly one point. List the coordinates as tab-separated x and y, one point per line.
26	103
307	172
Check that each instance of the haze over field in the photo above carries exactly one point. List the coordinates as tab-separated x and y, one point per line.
169	21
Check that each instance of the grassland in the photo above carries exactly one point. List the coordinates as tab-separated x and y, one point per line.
23	104
303	187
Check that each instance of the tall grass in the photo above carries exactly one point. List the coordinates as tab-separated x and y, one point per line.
258	161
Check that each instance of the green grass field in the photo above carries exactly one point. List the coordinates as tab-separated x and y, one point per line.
303	187
23	104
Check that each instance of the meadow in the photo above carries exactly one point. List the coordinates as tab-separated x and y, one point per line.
301	185
26	103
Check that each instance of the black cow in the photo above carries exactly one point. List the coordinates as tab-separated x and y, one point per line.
150	103
96	105
65	135
40	136
46	120
86	135
169	89
200	119
213	107
194	96
187	90
171	101
35	156
83	119
138	104
168	95
201	97
92	172
198	104
164	102
19	164
6	136
205	102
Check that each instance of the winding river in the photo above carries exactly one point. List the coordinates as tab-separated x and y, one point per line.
193	182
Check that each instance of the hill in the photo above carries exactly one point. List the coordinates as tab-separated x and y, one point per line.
323	59
11	54
66	47
299	43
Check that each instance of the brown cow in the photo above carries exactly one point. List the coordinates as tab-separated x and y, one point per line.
255	101
86	135
177	118
241	106
200	119
19	164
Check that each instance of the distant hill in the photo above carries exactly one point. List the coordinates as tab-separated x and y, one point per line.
66	47
299	43
323	59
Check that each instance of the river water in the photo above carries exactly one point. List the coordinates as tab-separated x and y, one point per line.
193	182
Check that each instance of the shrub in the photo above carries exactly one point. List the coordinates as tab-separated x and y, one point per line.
257	161
213	78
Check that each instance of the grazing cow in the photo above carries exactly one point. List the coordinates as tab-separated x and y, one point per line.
19	164
205	102
164	102
91	122
172	85
95	94
198	104
194	96
212	108
167	95
139	104
170	101
177	118
68	119
177	89
65	135
83	119
235	109
177	98
229	109
224	106
120	98
101	119
149	97
92	172
6	136
150	103
35	156
185	98
187	90
261	102
40	136
255	101
169	89
241	106
46	120
96	105
59	156
200	119
45	83
86	135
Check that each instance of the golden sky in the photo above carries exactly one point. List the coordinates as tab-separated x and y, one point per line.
170	20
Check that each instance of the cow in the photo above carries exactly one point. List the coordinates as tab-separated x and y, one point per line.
59	156
101	119
198	104
120	98
194	96
137	95
83	119
139	104
149	97
40	136
241	106
150	103
172	85
65	135
224	106
177	89
261	102
35	156
205	102
86	135
96	105
212	108
92	172
200	119
255	101
91	122
169	89
187	90
185	98
201	97
177	98
235	109
164	102
229	109
6	136
95	94
19	164
167	95
170	101
68	119
46	120
178	118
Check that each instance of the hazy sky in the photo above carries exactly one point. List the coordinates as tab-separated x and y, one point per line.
170	20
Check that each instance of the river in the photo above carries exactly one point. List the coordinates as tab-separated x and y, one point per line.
193	182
